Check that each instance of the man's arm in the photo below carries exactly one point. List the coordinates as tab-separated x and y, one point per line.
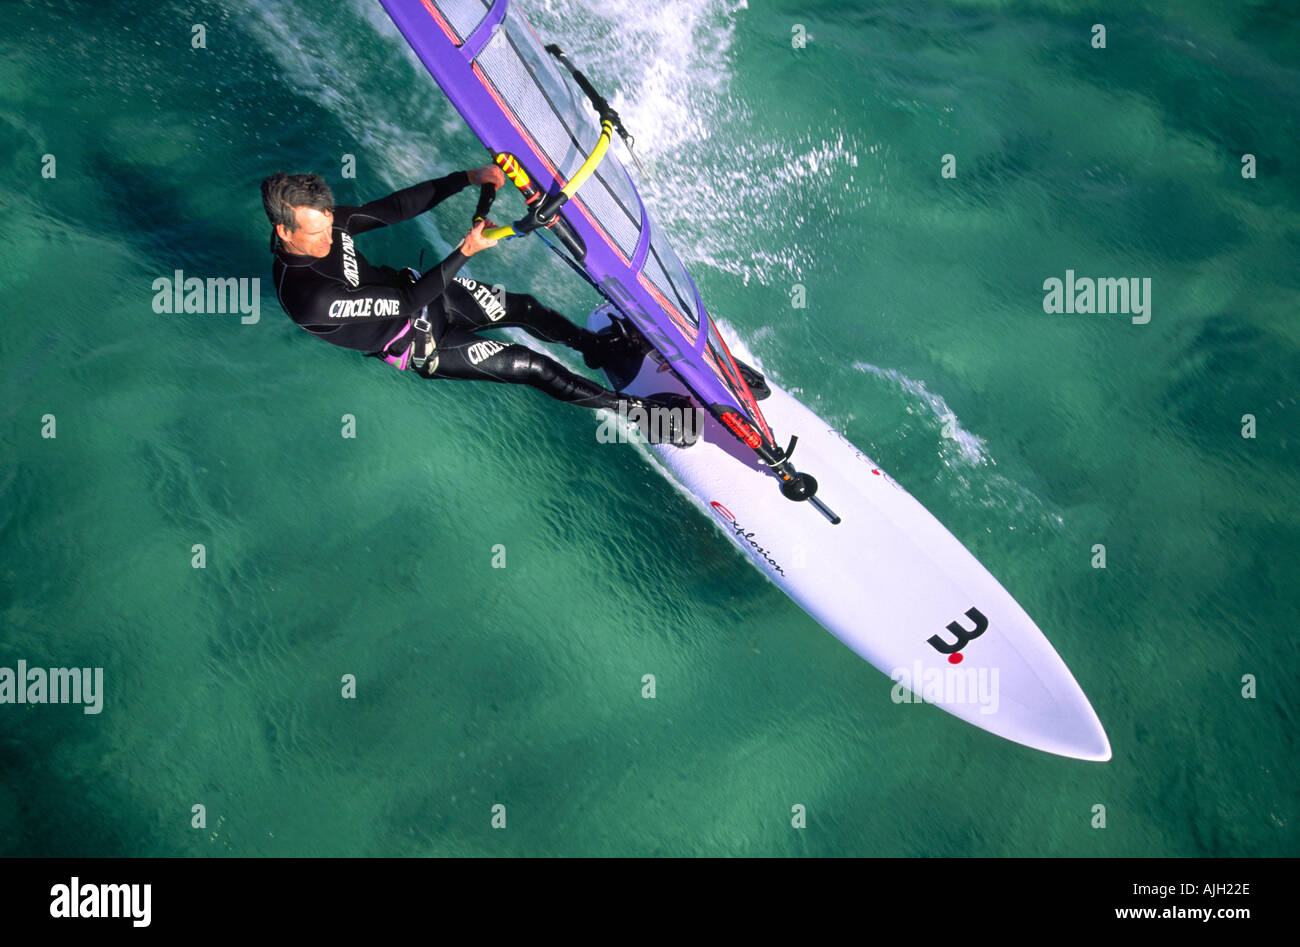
335	304
413	201
404	204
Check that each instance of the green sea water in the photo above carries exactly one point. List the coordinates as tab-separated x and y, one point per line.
780	170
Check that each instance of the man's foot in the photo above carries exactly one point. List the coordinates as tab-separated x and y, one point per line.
668	419
756	382
610	346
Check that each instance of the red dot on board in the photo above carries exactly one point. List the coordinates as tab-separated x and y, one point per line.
954	658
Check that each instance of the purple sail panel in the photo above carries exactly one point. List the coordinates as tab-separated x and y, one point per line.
515	98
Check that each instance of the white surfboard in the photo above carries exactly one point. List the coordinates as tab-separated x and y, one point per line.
889	580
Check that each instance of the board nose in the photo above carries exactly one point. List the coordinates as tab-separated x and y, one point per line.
1091	742
1073	730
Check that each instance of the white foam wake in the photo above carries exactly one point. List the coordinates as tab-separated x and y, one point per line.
971	447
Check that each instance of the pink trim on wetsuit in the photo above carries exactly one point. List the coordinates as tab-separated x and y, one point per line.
399	361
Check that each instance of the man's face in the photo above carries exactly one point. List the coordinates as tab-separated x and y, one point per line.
314	235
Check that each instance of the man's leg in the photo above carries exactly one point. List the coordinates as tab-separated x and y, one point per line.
469	357
473	305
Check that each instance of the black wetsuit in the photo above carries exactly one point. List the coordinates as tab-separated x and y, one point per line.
347	301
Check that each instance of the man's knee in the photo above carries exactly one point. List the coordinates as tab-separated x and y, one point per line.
535	368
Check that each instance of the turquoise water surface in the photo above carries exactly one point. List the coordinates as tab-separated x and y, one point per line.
781	171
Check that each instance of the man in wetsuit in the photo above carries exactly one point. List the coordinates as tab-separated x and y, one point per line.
429	323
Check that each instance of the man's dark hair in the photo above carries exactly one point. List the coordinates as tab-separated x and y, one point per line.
281	193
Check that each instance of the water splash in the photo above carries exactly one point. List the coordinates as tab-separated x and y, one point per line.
972	448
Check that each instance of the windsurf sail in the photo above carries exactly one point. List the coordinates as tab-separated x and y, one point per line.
530	111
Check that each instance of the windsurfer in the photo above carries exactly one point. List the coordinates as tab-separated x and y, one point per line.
430	322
